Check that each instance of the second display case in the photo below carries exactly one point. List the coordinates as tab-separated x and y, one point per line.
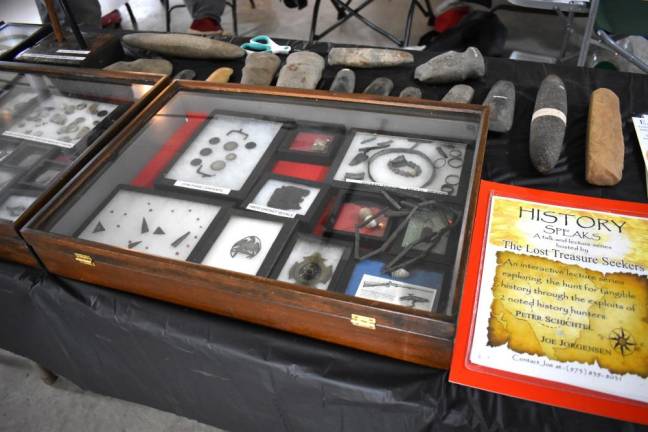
342	218
52	121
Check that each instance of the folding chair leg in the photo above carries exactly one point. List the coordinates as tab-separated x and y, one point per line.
587	36
311	37
167	14
132	16
408	23
235	17
611	44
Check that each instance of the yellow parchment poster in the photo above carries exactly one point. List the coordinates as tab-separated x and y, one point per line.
564	296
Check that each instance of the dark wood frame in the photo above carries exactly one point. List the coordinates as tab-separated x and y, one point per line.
41	32
391	330
12	245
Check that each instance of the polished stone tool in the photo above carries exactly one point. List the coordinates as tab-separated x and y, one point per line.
158	66
183	45
369	57
501	101
260	68
411	92
185	74
220	75
605	144
460	93
381	86
452	66
303	70
344	81
548	124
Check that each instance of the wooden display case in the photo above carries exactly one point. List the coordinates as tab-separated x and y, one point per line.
39	155
16	37
211	140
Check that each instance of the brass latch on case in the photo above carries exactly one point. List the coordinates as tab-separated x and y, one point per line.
363	321
84	259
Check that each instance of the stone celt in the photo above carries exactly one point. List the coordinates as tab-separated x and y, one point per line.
303	69
363	58
183	45
260	68
501	101
158	66
460	93
605	145
411	92
452	66
548	124
344	81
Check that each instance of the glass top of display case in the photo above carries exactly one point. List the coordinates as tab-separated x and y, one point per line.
11	35
365	199
48	120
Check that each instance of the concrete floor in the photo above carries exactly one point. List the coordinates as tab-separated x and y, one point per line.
540	34
27	404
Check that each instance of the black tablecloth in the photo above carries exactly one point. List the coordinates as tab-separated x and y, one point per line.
242	377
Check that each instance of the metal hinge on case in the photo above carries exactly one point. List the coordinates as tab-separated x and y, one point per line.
84	259
363	321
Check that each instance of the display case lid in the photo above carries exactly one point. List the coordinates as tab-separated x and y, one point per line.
14	34
51	120
199	185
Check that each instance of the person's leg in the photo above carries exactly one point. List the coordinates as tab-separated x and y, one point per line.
205	8
87	13
206	15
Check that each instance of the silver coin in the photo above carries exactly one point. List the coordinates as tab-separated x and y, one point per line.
230	156
217	165
230	146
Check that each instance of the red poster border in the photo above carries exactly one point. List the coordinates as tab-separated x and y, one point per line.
534	389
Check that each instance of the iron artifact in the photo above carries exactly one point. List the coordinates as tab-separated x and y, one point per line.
311	270
248	246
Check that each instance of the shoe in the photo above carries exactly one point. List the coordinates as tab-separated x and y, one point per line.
206	26
111	20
